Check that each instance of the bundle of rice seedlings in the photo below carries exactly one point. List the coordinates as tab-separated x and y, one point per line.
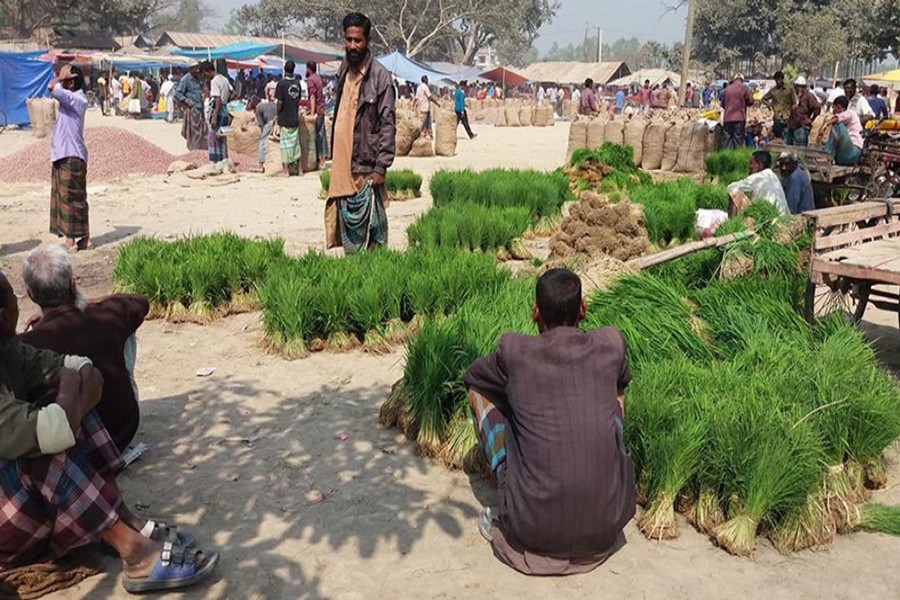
655	320
767	461
401	184
666	432
728	166
469	226
878	518
669	210
287	313
542	193
617	156
692	272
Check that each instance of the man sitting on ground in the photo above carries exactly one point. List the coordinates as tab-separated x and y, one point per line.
762	184
549	410
58	467
845	143
103	331
798	190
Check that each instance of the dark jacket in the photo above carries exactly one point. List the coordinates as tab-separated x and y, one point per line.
806	109
99	332
375	129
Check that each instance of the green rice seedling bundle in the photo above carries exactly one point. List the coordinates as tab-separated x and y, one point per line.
690	272
652	315
370	296
470	226
541	193
669	210
431	401
616	156
728	166
401	184
196	277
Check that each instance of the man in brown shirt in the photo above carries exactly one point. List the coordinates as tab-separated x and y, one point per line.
802	114
102	331
363	144
549	410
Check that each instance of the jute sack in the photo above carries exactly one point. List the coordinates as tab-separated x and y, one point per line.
245	139
634	137
819	127
445	132
713	140
499	116
408	130
308	160
578	137
42	113
539	116
654	141
273	159
670	149
526	116
596	132
512	116
422	148
692	149
615	132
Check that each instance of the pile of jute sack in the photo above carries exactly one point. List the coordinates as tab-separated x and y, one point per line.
411	142
675	142
245	140
42	114
513	113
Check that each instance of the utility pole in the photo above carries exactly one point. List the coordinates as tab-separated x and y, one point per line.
686	58
599	44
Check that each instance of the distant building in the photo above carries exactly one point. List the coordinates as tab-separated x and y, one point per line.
486	59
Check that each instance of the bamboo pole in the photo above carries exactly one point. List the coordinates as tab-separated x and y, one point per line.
643	262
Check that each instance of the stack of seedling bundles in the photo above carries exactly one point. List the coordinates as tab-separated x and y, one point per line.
197	278
728	166
741	416
489	210
401	184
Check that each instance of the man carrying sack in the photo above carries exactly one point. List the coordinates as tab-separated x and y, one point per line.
362	147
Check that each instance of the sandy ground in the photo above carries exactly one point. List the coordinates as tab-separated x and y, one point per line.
234	455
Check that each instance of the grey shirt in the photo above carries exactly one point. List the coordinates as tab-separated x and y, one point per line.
266	112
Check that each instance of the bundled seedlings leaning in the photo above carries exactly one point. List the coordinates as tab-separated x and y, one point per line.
541	193
470	226
401	184
728	166
197	278
317	301
740	415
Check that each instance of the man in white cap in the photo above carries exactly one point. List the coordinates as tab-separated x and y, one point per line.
167	91
737	99
761	184
802	114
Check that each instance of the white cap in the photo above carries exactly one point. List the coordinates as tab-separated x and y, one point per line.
801	80
738	76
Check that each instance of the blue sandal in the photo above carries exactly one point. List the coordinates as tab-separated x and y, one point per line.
176	568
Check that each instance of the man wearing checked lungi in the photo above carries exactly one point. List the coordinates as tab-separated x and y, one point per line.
363	145
549	413
58	467
69	155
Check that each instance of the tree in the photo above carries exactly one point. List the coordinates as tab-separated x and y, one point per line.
186	15
235	25
427	29
808	52
116	17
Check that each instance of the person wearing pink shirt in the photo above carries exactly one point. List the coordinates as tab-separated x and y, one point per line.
846	141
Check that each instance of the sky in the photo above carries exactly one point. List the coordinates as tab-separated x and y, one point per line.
644	19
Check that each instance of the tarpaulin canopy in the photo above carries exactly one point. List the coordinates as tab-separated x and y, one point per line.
504	76
886	76
405	68
251	50
22	76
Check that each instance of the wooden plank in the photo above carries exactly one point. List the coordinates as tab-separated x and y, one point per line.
871	254
666	255
862	273
843	215
863	234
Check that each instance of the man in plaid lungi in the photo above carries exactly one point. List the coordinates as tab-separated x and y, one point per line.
58	465
68	153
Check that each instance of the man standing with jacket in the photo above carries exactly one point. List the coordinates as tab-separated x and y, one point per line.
363	143
735	104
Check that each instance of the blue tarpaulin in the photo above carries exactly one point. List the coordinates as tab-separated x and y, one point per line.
250	50
22	76
404	68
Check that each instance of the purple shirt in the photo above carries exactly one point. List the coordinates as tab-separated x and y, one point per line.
317	91
68	133
588	102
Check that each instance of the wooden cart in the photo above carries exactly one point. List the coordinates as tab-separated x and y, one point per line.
855	258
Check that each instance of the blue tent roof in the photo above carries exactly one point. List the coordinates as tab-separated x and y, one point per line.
22	76
251	50
405	68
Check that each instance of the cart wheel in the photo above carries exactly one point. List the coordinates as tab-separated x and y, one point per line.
844	296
